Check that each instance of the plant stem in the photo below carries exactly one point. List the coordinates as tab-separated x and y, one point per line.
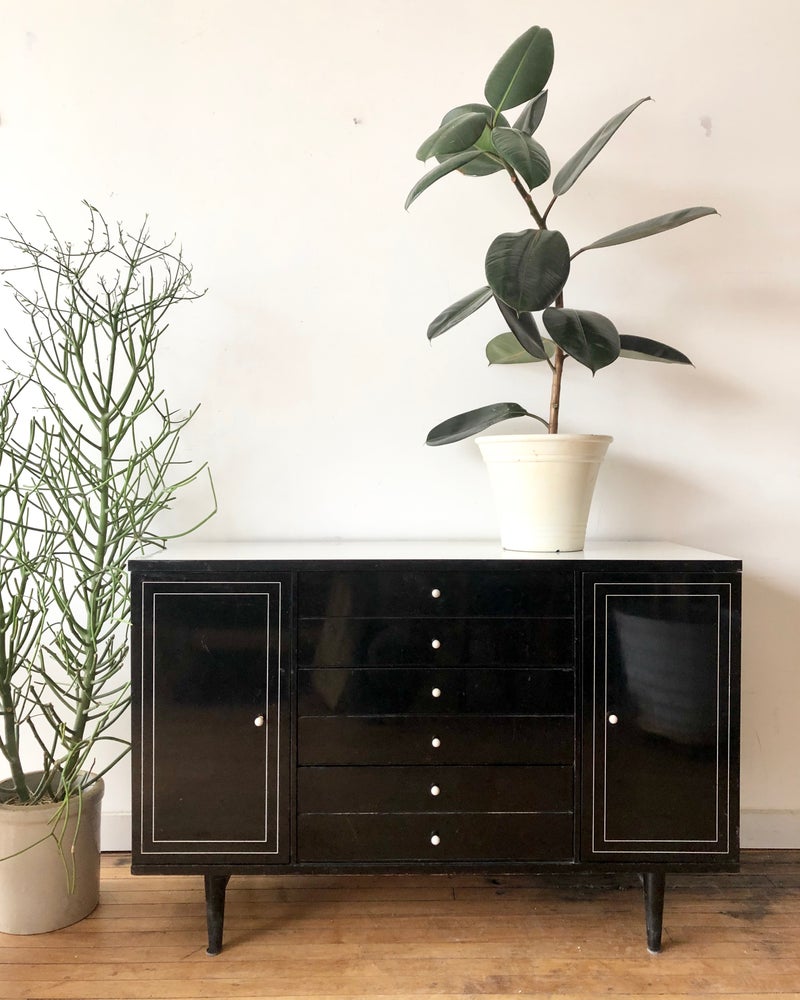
526	198
557	364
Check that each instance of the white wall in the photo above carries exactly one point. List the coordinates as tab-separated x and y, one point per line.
277	140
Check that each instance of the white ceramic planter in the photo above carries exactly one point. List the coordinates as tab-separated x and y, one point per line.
35	891
542	486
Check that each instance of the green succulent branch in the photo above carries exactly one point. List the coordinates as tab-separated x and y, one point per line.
526	272
99	467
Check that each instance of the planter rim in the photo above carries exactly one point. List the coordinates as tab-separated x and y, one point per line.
19	810
544	437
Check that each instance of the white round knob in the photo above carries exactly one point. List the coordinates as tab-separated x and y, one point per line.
436	742
436	644
436	592
436	840
435	790
436	693
259	721
613	720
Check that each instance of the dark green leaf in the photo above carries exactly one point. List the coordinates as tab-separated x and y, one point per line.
588	337
474	421
484	164
522	71
524	154
523	327
505	349
527	270
642	349
459	310
440	170
650	227
531	117
575	166
455	136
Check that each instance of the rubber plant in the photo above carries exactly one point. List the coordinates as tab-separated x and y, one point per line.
526	271
84	478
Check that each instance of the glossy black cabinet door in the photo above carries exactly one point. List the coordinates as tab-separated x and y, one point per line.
660	753
213	772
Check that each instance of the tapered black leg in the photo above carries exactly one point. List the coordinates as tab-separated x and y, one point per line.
653	908
215	911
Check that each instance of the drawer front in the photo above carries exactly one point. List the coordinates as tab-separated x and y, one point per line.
365	642
435	593
424	690
505	789
435	739
454	837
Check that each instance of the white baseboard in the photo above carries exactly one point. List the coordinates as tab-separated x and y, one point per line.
775	829
115	831
760	828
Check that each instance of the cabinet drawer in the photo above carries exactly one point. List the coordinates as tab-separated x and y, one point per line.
435	593
423	690
460	836
365	642
504	788
436	740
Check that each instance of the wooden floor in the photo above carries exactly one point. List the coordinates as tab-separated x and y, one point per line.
423	937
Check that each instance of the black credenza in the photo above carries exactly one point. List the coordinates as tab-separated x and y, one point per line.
442	707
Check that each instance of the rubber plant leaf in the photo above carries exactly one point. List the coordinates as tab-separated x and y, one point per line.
523	328
522	71
643	349
453	314
589	338
531	117
527	270
575	166
524	154
474	421
660	224
441	170
505	349
454	136
485	164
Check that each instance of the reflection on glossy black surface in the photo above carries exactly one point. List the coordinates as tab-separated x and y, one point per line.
422	593
442	789
210	674
410	740
365	642
661	718
410	691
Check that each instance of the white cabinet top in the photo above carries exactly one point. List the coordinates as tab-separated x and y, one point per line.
316	551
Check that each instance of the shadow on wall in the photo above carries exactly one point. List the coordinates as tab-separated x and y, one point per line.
639	499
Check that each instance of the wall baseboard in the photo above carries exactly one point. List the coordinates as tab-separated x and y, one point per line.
760	828
115	831
765	829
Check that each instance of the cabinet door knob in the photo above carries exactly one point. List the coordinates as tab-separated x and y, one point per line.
436	592
436	693
259	721
613	720
436	839
436	742
435	790
436	644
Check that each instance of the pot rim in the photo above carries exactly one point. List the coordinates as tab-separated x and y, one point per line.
94	790
543	437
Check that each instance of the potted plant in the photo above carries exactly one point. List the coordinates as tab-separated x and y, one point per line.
88	463
542	482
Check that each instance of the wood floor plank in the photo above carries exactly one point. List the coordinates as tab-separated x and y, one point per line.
726	936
